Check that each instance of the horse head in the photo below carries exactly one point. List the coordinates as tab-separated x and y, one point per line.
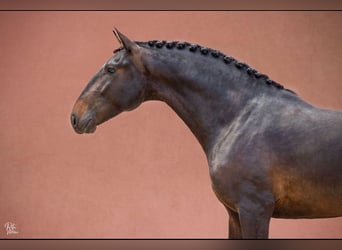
118	86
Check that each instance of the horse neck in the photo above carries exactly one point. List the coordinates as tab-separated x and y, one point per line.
206	93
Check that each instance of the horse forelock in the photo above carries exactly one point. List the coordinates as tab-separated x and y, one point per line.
118	49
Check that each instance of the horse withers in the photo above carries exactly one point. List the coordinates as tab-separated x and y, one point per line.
270	153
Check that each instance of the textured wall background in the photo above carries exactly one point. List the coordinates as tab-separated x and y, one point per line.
142	174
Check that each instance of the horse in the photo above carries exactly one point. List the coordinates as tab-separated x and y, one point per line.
270	153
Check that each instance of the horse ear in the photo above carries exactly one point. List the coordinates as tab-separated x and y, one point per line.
124	41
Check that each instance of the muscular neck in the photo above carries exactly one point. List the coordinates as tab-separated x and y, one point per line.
205	100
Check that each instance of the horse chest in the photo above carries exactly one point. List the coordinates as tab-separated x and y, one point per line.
239	169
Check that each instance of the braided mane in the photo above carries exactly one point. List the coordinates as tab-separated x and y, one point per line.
214	53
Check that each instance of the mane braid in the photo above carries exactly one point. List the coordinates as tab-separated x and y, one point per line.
214	53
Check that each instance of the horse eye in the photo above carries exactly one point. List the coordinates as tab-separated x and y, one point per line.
110	70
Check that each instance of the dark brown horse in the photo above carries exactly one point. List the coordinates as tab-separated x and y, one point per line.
270	153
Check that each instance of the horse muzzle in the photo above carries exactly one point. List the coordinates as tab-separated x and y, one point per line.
84	125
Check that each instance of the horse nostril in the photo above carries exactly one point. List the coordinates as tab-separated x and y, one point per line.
73	120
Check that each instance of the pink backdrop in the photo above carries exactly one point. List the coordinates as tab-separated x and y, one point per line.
142	174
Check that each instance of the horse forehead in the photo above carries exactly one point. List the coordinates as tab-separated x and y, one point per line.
115	59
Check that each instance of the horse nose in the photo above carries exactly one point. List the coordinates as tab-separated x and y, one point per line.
73	119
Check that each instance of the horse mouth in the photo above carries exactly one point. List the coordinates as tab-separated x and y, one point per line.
89	127
88	123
